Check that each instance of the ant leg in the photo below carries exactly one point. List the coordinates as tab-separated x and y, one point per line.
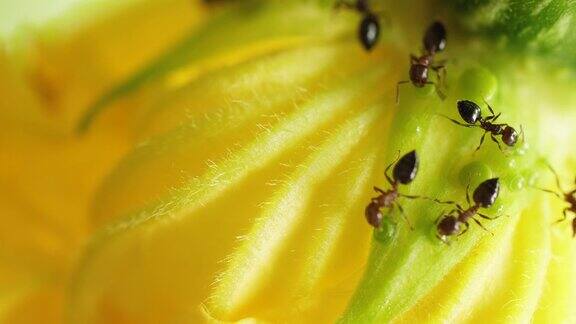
480	224
437	68
556	176
452	211
447	202
441	63
457	122
438	218
388	168
379	190
398	90
549	191
493	118
489	107
427	198
564	215
481	141
495	140
404	216
410	196
439	92
442	213
465	229
468	194
488	217
441	73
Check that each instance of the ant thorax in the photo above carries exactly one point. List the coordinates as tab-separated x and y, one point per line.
387	198
424	60
468	213
495	129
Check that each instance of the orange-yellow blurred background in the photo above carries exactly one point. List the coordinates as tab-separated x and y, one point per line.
57	56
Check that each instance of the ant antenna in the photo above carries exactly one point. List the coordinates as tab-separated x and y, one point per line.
488	105
549	191
555	176
405	217
482	226
557	183
390	165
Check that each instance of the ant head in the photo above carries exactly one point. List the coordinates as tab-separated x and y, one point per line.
369	31
469	111
435	38
486	193
509	136
373	214
449	225
406	168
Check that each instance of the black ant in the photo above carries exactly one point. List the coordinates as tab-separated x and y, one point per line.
434	41
471	114
369	29
569	197
451	224
404	172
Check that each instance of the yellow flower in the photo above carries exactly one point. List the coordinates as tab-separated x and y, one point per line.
193	161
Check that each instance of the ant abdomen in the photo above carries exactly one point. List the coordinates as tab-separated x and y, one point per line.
369	28
469	111
435	38
406	168
369	31
486	193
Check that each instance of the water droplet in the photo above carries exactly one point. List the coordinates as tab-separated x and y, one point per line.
387	231
515	182
477	83
474	172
